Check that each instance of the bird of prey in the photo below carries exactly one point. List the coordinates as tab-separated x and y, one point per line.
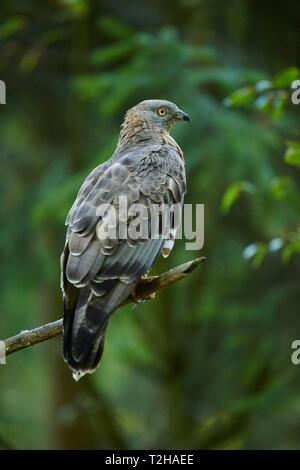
99	271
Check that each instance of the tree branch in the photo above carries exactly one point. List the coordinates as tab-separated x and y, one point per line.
144	290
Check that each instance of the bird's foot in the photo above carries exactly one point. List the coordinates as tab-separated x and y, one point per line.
143	280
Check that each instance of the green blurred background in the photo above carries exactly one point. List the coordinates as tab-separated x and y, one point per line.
208	363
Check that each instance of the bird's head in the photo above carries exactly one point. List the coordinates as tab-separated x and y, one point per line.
160	114
149	121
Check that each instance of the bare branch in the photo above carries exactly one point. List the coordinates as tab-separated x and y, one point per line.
144	290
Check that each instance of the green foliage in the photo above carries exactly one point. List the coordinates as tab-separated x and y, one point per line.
240	97
291	249
292	154
233	192
285	77
282	187
267	96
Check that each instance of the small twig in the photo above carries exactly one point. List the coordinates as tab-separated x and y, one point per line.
144	289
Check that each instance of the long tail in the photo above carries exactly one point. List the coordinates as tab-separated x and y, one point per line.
85	324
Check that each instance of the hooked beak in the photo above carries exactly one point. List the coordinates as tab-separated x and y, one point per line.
182	116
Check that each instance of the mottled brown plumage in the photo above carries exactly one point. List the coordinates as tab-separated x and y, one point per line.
98	270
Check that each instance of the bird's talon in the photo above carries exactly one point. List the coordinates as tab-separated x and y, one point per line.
151	296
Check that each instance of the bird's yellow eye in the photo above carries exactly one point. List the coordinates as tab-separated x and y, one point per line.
162	111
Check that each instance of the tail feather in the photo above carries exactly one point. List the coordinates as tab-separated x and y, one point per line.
85	325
